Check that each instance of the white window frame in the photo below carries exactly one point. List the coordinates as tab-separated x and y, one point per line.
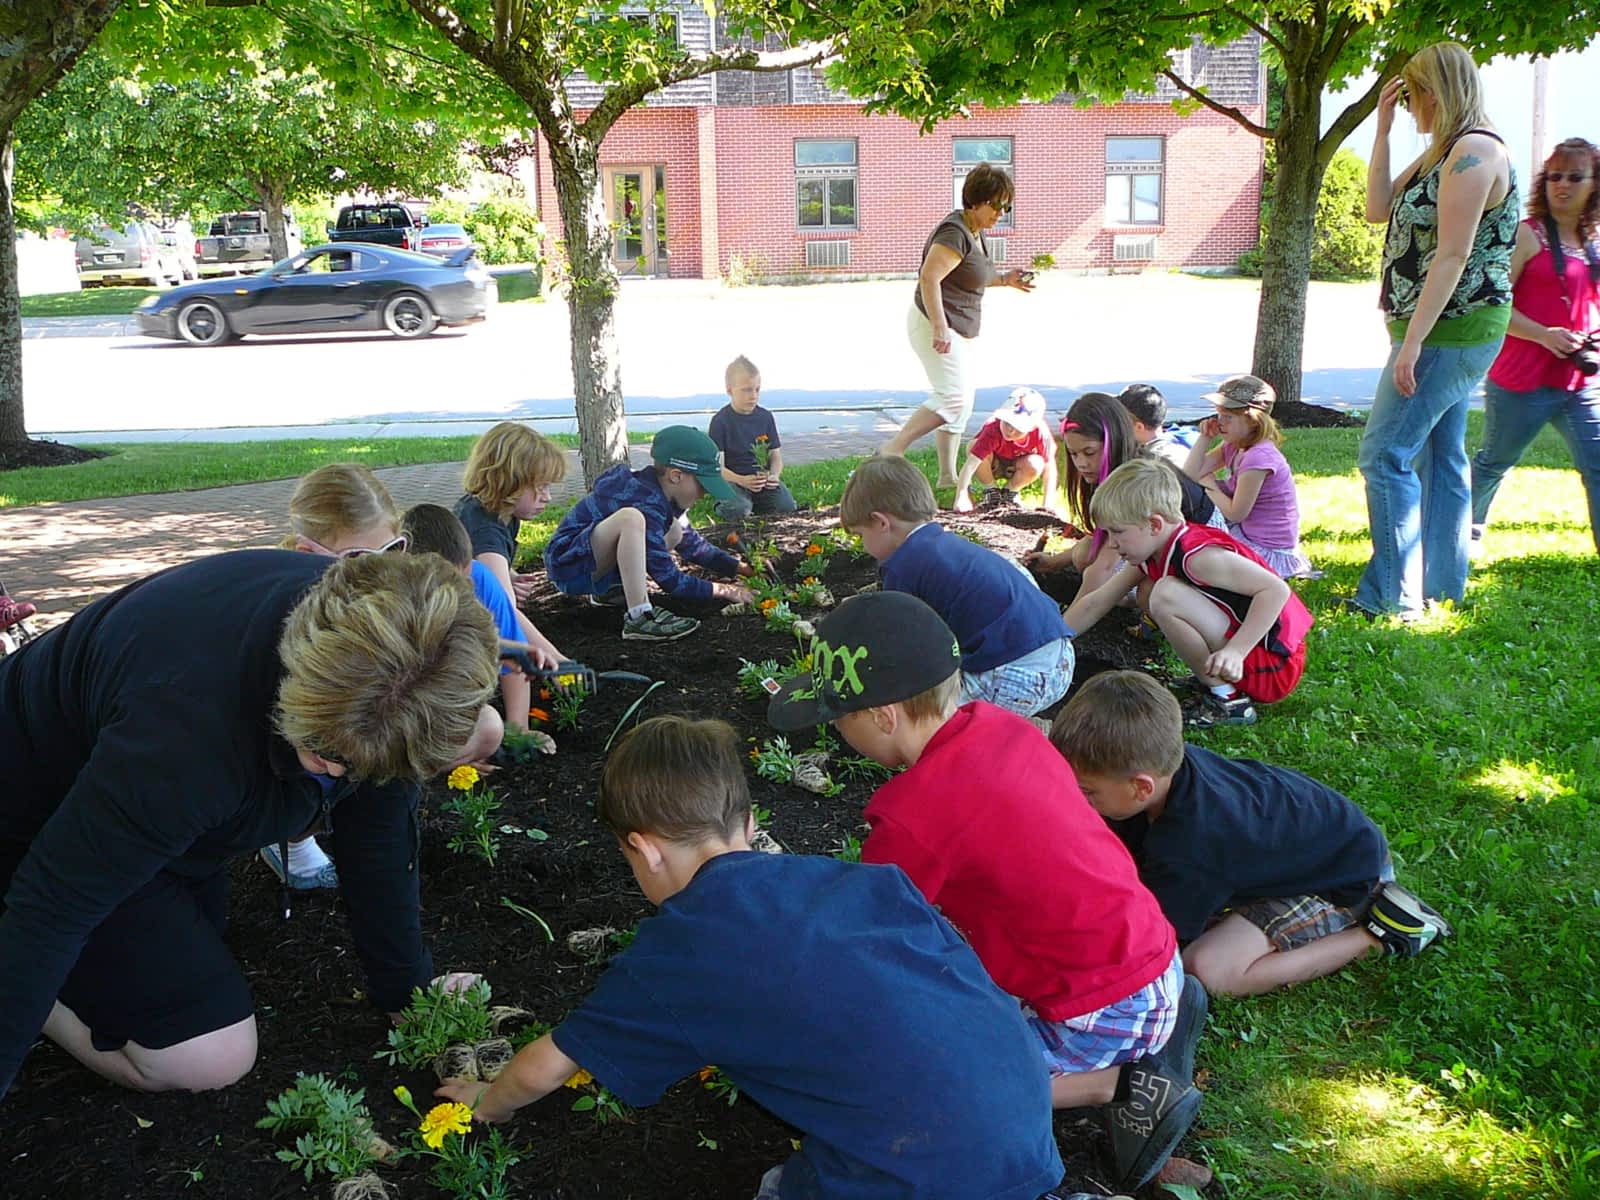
960	170
825	172
1122	174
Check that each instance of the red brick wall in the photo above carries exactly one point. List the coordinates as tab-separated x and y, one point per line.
1211	189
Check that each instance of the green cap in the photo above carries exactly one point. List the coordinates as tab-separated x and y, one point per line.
688	449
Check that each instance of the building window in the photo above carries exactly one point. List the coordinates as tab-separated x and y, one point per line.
1134	166
968	153
825	184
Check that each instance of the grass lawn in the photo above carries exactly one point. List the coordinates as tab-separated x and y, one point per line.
90	302
1468	1071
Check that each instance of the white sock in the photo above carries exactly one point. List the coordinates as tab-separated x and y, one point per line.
639	610
306	858
1223	691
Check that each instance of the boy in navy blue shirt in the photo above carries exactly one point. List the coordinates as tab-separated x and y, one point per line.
747	436
1015	652
1271	877
627	529
831	993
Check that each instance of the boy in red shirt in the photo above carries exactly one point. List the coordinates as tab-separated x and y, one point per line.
1041	888
1012	449
1241	629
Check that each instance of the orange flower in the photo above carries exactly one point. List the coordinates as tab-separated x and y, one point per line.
544	693
754	754
762	440
810	580
538	714
768	604
705	1073
813	550
733	539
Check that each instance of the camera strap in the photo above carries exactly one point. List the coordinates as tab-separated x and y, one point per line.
1559	256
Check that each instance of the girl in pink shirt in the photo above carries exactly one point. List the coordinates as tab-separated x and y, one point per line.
1258	497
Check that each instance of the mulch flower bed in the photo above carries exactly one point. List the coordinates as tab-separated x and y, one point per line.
70	1135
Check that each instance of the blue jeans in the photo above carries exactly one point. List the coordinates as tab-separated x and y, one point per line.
1414	459
1513	419
764	502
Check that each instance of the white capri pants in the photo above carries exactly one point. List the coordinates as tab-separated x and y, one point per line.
950	376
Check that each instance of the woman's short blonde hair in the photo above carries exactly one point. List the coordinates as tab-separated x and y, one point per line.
1135	492
887	484
508	458
386	662
1449	74
337	500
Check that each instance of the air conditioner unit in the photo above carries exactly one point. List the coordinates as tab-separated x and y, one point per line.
997	251
828	253
1128	248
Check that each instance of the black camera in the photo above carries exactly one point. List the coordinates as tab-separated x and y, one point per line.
1587	356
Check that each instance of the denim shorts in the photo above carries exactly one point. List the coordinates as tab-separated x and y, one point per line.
1027	684
1126	1031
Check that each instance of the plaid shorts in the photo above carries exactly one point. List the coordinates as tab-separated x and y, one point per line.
1128	1030
1027	684
1294	921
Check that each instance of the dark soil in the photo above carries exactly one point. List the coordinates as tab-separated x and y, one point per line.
33	453
70	1135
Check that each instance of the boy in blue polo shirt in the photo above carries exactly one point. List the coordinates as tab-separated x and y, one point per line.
831	993
1015	652
625	531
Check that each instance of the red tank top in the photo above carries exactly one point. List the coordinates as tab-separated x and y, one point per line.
1525	366
1292	624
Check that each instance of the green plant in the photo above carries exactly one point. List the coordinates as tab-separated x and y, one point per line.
567	702
760	553
810	592
780	618
860	767
761	451
476	806
752	674
775	760
629	713
1344	244
472	1168
1043	261
623	938
763	816
596	1100
435	1019
506	231
331	1127
817	553
719	1085
848	849
521	911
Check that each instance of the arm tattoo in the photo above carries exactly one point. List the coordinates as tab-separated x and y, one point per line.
1465	163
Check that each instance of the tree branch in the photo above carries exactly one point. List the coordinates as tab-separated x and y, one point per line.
1359	109
1334	45
1233	114
1266	34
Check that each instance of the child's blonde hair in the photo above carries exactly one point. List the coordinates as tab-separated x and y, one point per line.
386	663
508	458
938	703
1121	723
338	499
888	485
1262	428
739	367
1135	492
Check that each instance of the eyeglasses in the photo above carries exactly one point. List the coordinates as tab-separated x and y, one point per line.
398	543
1569	176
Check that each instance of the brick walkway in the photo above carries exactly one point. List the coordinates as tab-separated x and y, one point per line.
61	556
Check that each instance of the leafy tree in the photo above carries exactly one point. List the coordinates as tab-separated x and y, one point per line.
39	41
1345	245
1102	49
245	139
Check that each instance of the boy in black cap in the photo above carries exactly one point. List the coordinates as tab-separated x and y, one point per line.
627	528
1040	887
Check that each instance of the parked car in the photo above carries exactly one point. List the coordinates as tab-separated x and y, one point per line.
332	288
443	240
386	224
239	243
132	254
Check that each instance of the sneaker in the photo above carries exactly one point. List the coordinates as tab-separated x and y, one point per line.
1146	1128
1207	710
612	599
658	625
13	612
1475	545
1404	924
1177	1056
325	876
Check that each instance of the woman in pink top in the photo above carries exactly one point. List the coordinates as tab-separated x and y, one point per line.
1258	498
1546	368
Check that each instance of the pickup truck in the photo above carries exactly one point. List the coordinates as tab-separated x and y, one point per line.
385	224
239	244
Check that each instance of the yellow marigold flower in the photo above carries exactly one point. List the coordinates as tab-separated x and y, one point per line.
566	680
754	753
580	1078
810	580
445	1119
463	778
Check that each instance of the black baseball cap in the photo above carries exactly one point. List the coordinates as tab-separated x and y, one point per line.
879	648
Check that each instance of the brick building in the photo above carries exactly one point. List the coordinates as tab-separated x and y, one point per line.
792	179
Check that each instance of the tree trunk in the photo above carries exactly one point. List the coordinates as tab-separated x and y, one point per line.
11	423
591	300
277	229
1286	256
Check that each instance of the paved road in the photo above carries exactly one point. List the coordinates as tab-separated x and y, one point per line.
834	355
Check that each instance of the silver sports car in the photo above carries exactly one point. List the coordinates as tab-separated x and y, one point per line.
332	288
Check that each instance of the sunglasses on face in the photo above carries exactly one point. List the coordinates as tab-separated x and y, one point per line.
398	543
1002	209
1569	176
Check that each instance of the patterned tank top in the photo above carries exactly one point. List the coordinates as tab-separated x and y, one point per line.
1413	240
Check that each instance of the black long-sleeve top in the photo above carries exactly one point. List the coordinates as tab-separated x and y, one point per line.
138	737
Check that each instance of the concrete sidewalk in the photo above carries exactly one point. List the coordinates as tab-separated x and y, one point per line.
61	556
